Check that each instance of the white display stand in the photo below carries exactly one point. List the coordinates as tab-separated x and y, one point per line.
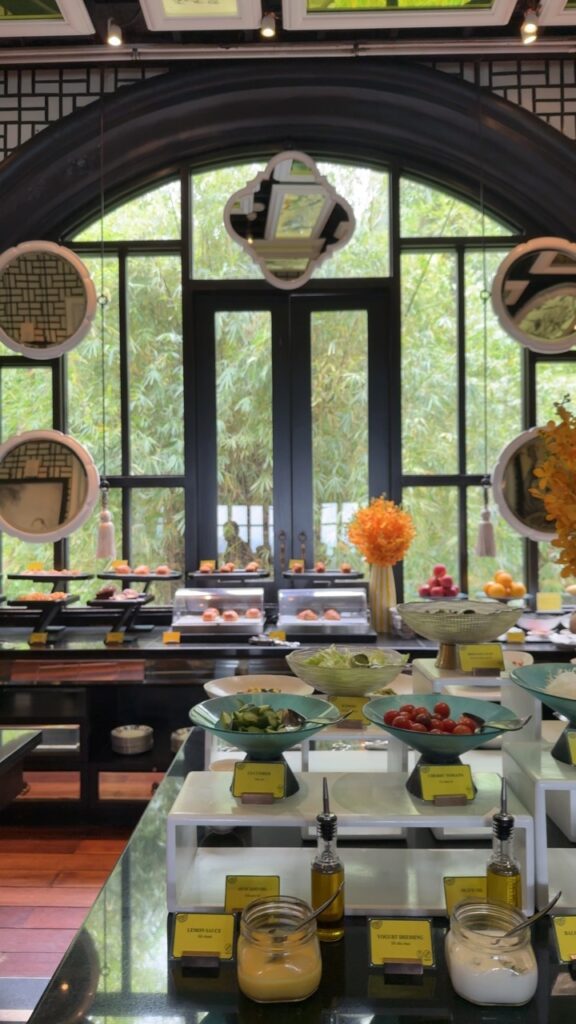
546	787
402	881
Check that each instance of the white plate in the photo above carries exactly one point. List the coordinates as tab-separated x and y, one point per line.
230	685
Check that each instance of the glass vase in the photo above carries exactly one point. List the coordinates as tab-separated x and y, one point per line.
382	596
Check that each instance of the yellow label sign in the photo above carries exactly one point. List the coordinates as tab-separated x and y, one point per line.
458	888
571	737
38	638
119	561
242	889
473	656
446	780
353	705
114	638
277	634
34	567
295	564
548	602
259	777
171	636
203	935
565	935
393	940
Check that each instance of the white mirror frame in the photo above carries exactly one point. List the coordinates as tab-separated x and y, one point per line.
498	488
52	351
501	310
92	484
252	187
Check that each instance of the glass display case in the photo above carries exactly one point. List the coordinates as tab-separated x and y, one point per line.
225	610
323	612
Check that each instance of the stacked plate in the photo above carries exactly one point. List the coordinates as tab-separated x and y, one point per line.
132	739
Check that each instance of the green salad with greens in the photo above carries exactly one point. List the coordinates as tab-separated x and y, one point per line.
344	657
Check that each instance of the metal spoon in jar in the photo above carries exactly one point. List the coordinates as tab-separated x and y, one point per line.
281	936
530	920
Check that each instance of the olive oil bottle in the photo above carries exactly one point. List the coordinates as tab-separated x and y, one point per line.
503	878
327	874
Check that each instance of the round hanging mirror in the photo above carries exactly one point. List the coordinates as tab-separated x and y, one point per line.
47	299
48	485
512	479
534	294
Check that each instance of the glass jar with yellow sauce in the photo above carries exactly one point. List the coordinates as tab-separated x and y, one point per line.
486	966
278	956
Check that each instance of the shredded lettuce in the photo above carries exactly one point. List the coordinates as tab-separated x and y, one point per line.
344	657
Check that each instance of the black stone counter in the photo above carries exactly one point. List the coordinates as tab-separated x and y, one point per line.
117	968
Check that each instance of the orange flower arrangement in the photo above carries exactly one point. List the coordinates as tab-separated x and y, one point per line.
557	484
382	532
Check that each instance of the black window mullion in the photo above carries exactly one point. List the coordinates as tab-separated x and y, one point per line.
191	490
299	327
461	381
282	363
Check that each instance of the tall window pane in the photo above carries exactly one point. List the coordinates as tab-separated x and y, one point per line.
553	382
509	548
214	253
339	365
157	536
244	436
429	363
494	378
155	365
367	253
25	399
93	377
435	514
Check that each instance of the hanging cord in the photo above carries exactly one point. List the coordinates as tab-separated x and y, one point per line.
485	541
106	544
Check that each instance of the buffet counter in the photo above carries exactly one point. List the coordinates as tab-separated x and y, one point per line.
118	966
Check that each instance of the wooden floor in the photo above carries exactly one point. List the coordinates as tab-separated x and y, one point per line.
49	879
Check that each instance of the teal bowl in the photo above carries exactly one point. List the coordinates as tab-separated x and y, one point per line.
535	678
444	749
265	746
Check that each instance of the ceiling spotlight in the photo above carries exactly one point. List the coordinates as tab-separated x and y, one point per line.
113	33
529	28
268	26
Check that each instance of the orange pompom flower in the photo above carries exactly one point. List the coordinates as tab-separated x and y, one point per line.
382	532
556	479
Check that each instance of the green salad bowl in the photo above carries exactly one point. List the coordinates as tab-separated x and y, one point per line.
347	681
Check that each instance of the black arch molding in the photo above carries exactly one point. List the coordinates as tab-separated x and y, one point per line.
365	110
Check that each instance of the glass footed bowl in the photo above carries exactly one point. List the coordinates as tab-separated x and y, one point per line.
535	680
443	749
459	622
265	746
353	681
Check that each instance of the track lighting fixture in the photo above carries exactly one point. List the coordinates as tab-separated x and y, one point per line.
529	26
113	33
268	26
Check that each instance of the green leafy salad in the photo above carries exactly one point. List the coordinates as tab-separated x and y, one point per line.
343	657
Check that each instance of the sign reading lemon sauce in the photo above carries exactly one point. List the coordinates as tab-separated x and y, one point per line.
351	706
394	940
203	935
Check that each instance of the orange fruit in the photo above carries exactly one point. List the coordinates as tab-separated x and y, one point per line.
495	590
486	588
517	589
503	577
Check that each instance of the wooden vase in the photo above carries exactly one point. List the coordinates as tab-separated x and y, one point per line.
382	596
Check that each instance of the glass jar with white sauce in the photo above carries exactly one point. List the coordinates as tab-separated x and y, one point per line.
485	967
278	956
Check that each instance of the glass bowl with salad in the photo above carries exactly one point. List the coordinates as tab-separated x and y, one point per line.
346	671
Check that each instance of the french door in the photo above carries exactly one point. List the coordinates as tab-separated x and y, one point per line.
295	422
